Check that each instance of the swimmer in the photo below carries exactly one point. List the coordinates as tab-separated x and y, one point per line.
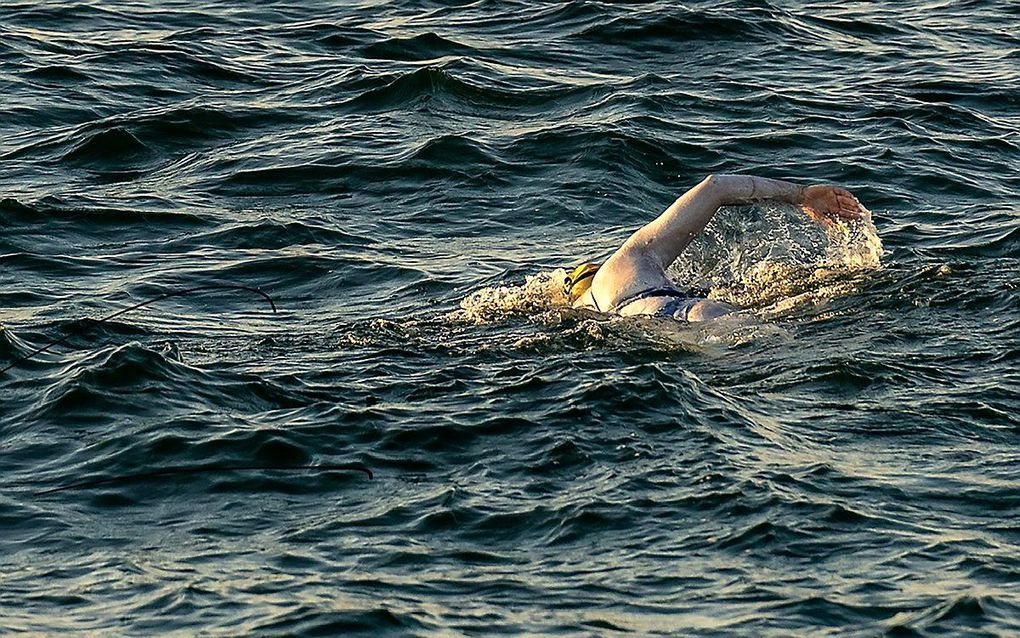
633	280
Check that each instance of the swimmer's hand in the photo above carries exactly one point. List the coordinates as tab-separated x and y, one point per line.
825	203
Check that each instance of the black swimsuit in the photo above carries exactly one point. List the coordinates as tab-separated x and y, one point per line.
677	308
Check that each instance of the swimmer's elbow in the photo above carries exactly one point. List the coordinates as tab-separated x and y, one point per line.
713	187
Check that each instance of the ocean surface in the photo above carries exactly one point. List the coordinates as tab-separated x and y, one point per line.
407	181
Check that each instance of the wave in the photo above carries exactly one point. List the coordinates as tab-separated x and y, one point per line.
56	16
959	612
445	157
281	181
344	179
58	73
605	147
269	234
568	16
325	34
454	150
679	25
112	145
145	137
859	25
11	346
983	290
988	240
57	212
310	619
98	383
94	386
419	48
446	84
193	61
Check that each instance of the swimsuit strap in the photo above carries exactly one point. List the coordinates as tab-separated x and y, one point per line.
650	292
693	293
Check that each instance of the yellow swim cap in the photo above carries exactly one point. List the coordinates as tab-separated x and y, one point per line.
579	281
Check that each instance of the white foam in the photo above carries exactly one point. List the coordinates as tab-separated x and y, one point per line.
772	260
539	294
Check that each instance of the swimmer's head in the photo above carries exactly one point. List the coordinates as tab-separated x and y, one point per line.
579	281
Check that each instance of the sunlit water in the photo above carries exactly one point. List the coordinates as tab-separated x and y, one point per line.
409	180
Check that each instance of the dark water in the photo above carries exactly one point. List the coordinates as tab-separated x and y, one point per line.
843	461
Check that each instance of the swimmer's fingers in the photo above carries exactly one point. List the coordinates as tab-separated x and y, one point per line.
847	206
824	203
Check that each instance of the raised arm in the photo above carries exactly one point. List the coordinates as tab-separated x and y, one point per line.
641	262
665	237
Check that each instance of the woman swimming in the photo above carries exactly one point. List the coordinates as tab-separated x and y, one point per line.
633	280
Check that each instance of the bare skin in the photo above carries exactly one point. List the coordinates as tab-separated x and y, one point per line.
640	263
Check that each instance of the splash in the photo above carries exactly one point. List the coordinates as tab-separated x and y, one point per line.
540	295
770	260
